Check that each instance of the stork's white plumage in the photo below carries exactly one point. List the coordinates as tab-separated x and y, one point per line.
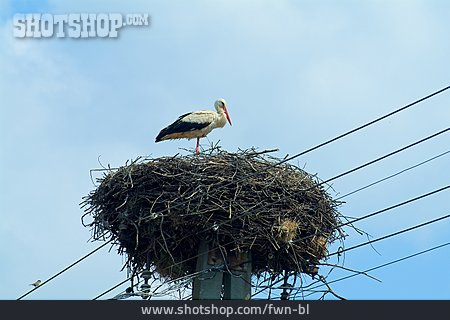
196	124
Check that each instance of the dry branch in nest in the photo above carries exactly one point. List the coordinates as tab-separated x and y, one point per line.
159	210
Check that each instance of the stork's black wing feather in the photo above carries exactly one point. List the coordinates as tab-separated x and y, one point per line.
180	126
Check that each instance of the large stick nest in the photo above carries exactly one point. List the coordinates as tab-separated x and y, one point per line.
159	210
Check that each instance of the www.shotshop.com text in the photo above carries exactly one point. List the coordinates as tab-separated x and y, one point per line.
268	309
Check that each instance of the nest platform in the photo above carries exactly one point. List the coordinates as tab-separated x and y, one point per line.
159	210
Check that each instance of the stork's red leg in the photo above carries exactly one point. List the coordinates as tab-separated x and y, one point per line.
196	147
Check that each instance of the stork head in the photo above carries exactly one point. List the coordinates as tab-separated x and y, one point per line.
221	106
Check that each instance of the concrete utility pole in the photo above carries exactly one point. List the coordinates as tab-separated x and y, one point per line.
235	277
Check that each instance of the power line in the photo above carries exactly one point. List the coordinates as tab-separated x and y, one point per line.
289	159
350	222
341	225
111	289
311	286
247	212
363	217
362	272
358	219
332	140
394	206
328	142
337	138
393	175
341	175
351	171
367	124
384	265
65	269
369	215
385	156
154	293
339	252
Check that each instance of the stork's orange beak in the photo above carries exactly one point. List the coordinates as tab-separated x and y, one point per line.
228	116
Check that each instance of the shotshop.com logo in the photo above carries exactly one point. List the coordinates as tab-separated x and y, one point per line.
74	25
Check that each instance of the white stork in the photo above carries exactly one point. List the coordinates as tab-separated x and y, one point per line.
196	124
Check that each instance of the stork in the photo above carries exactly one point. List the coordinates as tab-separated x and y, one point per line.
196	124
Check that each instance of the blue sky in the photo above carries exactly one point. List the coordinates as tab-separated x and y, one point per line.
294	73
